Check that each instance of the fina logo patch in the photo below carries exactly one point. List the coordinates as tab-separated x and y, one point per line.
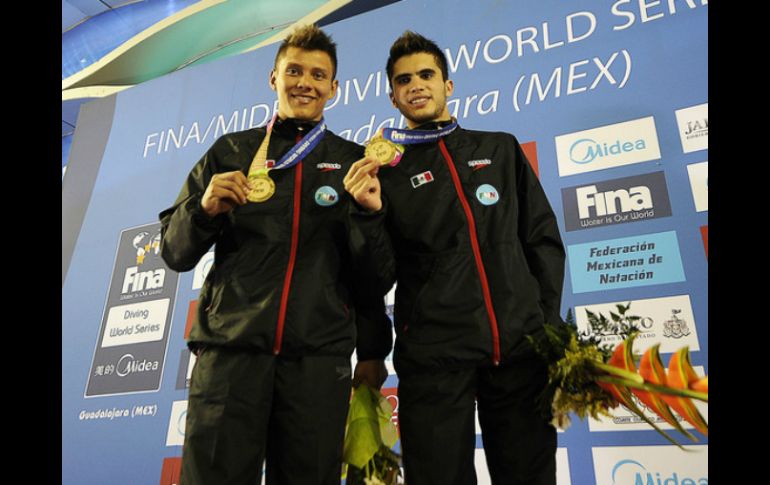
479	164
328	167
326	196
421	179
487	194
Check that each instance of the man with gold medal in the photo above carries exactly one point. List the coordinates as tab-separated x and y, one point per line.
458	219
282	308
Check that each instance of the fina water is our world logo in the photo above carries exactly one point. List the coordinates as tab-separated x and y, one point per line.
616	201
608	146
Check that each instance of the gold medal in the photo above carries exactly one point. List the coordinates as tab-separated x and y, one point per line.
262	186
382	150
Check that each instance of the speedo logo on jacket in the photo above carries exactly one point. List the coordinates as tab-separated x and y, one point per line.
328	167
478	164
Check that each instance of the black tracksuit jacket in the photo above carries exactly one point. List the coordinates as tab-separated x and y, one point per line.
282	280
472	279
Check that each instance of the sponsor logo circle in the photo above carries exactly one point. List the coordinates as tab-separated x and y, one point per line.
125	362
581	151
487	194
181	423
326	196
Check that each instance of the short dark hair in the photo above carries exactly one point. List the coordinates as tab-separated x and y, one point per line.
310	38
414	43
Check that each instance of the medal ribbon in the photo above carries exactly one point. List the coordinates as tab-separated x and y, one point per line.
294	155
410	137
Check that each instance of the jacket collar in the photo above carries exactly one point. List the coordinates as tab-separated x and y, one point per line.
433	125
291	127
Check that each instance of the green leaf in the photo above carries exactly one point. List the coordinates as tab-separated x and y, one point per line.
369	427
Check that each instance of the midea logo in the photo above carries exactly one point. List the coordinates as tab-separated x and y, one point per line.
586	150
630	471
129	365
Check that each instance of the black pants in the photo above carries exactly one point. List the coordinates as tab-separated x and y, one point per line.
244	408
436	416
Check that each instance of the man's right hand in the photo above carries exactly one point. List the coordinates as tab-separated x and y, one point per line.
225	191
362	183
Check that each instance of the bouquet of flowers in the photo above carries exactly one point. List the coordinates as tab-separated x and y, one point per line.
369	436
588	378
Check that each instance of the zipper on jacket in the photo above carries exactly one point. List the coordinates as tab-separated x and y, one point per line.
292	257
476	253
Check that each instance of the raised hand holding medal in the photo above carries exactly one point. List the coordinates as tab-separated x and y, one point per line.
361	181
224	192
362	184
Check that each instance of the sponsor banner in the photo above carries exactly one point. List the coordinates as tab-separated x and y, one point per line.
617	201
654	465
668	321
391	394
562	467
704	232
693	123
136	321
480	463
530	151
624	420
172	468
186	363
192	309
190	364
699	183
176	424
390	301
202	269
608	146
647	259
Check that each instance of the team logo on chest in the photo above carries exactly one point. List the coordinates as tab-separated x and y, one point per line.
487	194
326	196
421	179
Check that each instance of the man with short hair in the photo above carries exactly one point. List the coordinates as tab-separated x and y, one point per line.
460	221
281	309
